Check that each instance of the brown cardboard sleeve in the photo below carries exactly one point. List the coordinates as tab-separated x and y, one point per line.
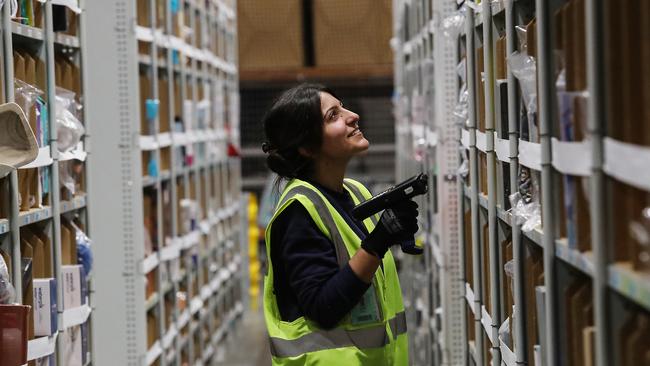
500	58
143	13
47	252
163	97
19	66
66	237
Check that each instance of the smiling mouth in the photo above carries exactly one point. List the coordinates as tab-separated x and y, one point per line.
355	132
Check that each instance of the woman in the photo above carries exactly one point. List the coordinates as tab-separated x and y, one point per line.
331	294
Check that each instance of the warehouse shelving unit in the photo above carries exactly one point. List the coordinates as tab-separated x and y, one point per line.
427	140
33	52
172	155
560	276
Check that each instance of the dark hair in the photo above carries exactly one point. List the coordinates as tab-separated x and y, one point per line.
295	120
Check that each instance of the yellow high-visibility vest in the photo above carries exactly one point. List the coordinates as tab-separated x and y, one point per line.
381	340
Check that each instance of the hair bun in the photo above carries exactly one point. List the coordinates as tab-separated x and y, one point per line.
279	165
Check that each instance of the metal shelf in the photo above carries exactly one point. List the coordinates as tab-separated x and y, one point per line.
33	33
76	203
632	284
34	215
152	301
66	40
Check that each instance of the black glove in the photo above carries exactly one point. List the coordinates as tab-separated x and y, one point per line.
396	224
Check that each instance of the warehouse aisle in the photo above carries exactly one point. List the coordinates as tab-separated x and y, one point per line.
249	337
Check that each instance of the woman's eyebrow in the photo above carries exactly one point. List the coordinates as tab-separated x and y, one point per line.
326	112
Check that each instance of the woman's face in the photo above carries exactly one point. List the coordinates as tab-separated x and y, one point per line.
342	138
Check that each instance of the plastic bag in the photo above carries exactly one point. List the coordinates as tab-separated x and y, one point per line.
7	291
453	25
26	96
528	215
524	68
69	128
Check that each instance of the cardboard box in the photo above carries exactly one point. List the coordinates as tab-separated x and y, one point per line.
352	33
72	346
45	310
73	286
270	34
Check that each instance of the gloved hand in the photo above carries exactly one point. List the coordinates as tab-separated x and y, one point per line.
396	224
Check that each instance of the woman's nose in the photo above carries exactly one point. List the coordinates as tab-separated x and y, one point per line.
352	117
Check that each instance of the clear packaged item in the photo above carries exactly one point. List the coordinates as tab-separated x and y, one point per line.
69	128
453	25
26	96
524	67
527	214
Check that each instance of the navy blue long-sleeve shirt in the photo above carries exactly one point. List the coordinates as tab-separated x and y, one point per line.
307	278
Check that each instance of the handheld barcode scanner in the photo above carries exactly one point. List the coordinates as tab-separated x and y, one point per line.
408	189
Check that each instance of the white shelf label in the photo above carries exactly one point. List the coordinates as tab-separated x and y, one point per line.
432	138
164	139
76	316
502	148
206	292
179	138
149	263
481	141
143	34
486	320
75	154
464	138
196	305
507	356
148	143
153	353
572	158
169	336
170	252
183	319
469	295
191	239
530	155
41	347
628	163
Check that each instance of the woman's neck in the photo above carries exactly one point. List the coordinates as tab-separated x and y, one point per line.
330	175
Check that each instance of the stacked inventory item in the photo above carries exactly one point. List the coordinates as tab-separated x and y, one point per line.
43	243
553	211
180	226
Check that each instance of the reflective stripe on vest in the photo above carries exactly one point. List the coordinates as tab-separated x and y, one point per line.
398	324
360	198
321	340
342	255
